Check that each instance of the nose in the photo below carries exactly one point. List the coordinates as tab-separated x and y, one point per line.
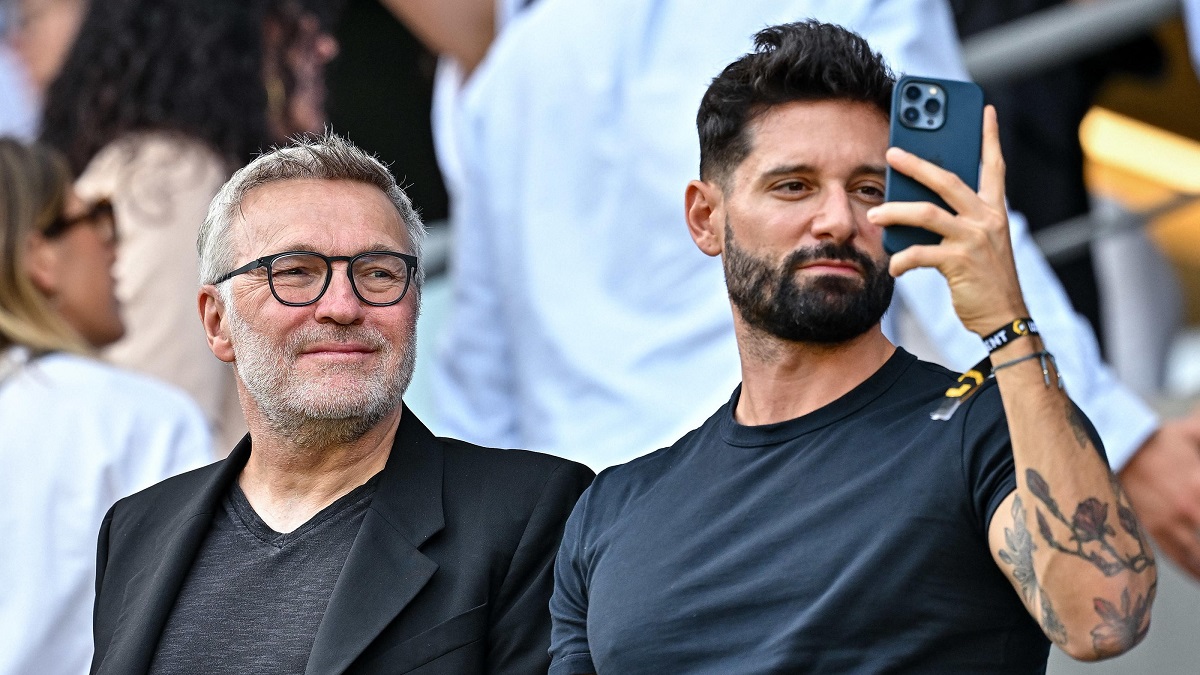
835	219
339	304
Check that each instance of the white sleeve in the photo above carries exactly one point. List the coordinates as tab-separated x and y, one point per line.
1123	420
472	375
915	37
169	436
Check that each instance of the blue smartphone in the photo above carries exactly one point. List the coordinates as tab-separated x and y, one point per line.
941	121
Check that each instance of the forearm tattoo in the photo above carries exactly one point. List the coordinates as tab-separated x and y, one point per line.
1122	627
1018	552
1077	426
1089	525
1091	538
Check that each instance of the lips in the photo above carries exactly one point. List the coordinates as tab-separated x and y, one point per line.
833	266
338	348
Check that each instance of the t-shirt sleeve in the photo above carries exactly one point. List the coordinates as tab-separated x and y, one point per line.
569	650
987	454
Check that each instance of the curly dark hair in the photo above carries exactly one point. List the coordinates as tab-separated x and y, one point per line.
188	66
802	61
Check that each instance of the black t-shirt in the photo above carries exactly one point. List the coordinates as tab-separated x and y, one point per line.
254	598
850	540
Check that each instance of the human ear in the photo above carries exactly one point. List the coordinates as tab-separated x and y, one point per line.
702	204
216	328
43	263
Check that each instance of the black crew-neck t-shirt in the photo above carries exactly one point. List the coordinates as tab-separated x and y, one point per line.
850	540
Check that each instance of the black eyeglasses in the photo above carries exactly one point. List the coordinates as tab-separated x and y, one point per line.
100	216
298	278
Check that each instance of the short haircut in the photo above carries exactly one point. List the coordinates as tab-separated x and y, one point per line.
311	157
802	61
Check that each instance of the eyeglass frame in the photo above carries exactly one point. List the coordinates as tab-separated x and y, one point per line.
102	208
266	261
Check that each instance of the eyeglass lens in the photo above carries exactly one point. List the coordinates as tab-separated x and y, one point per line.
100	217
105	222
378	278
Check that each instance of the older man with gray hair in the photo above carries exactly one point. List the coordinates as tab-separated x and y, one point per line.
340	535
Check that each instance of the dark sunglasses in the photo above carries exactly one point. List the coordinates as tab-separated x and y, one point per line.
100	216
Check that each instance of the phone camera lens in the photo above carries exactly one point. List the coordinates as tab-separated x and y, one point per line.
932	106
912	92
911	114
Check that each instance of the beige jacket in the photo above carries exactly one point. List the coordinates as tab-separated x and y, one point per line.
160	185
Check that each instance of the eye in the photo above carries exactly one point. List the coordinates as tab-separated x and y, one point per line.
791	187
378	273
297	269
871	192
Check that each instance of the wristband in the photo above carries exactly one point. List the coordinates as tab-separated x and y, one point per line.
1009	332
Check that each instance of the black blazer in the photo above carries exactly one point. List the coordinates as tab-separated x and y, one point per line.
451	571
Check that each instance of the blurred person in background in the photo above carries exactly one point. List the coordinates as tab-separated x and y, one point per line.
77	435
37	35
157	103
562	337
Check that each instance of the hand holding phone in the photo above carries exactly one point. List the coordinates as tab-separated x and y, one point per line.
940	121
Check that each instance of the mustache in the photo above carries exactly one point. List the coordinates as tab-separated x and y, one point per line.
305	336
829	251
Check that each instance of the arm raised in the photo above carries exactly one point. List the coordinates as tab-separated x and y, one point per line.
1067	537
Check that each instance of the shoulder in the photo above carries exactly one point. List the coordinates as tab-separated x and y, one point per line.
981	412
90	386
618	488
159	507
510	472
501	500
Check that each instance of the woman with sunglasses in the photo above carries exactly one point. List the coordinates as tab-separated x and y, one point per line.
75	434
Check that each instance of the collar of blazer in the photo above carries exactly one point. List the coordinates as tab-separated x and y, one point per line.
382	573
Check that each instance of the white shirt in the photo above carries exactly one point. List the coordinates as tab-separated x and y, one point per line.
585	322
18	104
75	436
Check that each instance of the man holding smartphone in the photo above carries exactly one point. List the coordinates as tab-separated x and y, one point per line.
851	508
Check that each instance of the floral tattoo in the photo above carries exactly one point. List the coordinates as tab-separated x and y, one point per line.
1090	530
1124	626
1019	553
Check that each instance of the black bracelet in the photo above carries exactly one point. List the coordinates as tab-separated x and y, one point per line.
1009	332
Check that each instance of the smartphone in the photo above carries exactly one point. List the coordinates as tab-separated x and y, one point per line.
941	121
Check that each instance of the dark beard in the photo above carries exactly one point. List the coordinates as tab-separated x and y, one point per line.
826	310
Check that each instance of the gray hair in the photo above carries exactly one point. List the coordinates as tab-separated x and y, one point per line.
312	157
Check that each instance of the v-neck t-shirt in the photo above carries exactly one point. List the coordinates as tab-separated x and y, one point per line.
254	597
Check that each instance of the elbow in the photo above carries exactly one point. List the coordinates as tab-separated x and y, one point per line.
1120	618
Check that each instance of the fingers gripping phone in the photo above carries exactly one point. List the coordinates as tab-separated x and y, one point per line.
940	121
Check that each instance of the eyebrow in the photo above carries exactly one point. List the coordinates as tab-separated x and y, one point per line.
375	246
793	169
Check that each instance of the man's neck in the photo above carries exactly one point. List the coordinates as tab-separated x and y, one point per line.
783	380
288	483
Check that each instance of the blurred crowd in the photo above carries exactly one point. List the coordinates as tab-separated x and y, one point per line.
584	322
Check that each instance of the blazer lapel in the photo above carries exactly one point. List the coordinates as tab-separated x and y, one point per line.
385	570
151	594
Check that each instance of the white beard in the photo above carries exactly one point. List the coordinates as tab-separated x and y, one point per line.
339	405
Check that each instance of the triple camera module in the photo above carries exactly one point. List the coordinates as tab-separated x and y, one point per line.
923	106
